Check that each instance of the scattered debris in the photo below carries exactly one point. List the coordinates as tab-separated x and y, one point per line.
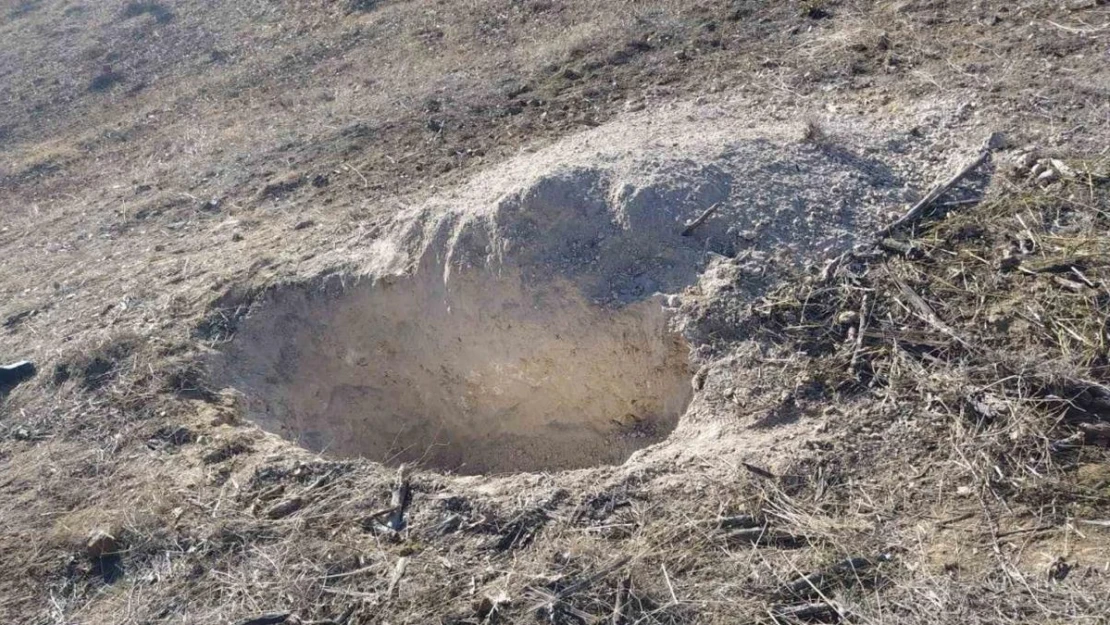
226	451
551	601
693	225
620	605
846	572
521	531
280	186
764	536
1059	570
740	521
808	612
14	320
171	436
759	471
449	525
105	552
489	607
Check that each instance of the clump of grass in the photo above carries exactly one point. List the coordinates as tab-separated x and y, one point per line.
96	367
813	133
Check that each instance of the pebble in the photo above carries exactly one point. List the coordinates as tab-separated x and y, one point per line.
101	544
1048	176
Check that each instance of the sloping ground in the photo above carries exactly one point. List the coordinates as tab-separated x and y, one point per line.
916	433
940	405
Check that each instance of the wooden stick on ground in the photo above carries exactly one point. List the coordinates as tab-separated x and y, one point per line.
395	578
620	605
919	209
926	312
689	229
399	500
863	312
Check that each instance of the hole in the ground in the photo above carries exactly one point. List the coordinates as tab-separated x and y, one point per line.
519	330
479	373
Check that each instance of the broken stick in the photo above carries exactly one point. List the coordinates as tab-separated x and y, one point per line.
863	312
399	500
395	578
918	211
619	606
690	227
926	312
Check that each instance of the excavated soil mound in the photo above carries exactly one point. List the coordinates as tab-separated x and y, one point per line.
524	323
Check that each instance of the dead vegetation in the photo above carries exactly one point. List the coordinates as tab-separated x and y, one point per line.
959	369
961	474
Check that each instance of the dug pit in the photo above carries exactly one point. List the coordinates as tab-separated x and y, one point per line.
516	324
482	374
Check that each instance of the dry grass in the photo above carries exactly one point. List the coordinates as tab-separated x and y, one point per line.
957	481
961	455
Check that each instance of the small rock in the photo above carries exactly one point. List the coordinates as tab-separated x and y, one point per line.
101	544
699	378
1026	160
996	141
1062	168
1048	176
963	491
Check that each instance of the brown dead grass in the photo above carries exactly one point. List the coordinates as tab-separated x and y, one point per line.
965	454
955	480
